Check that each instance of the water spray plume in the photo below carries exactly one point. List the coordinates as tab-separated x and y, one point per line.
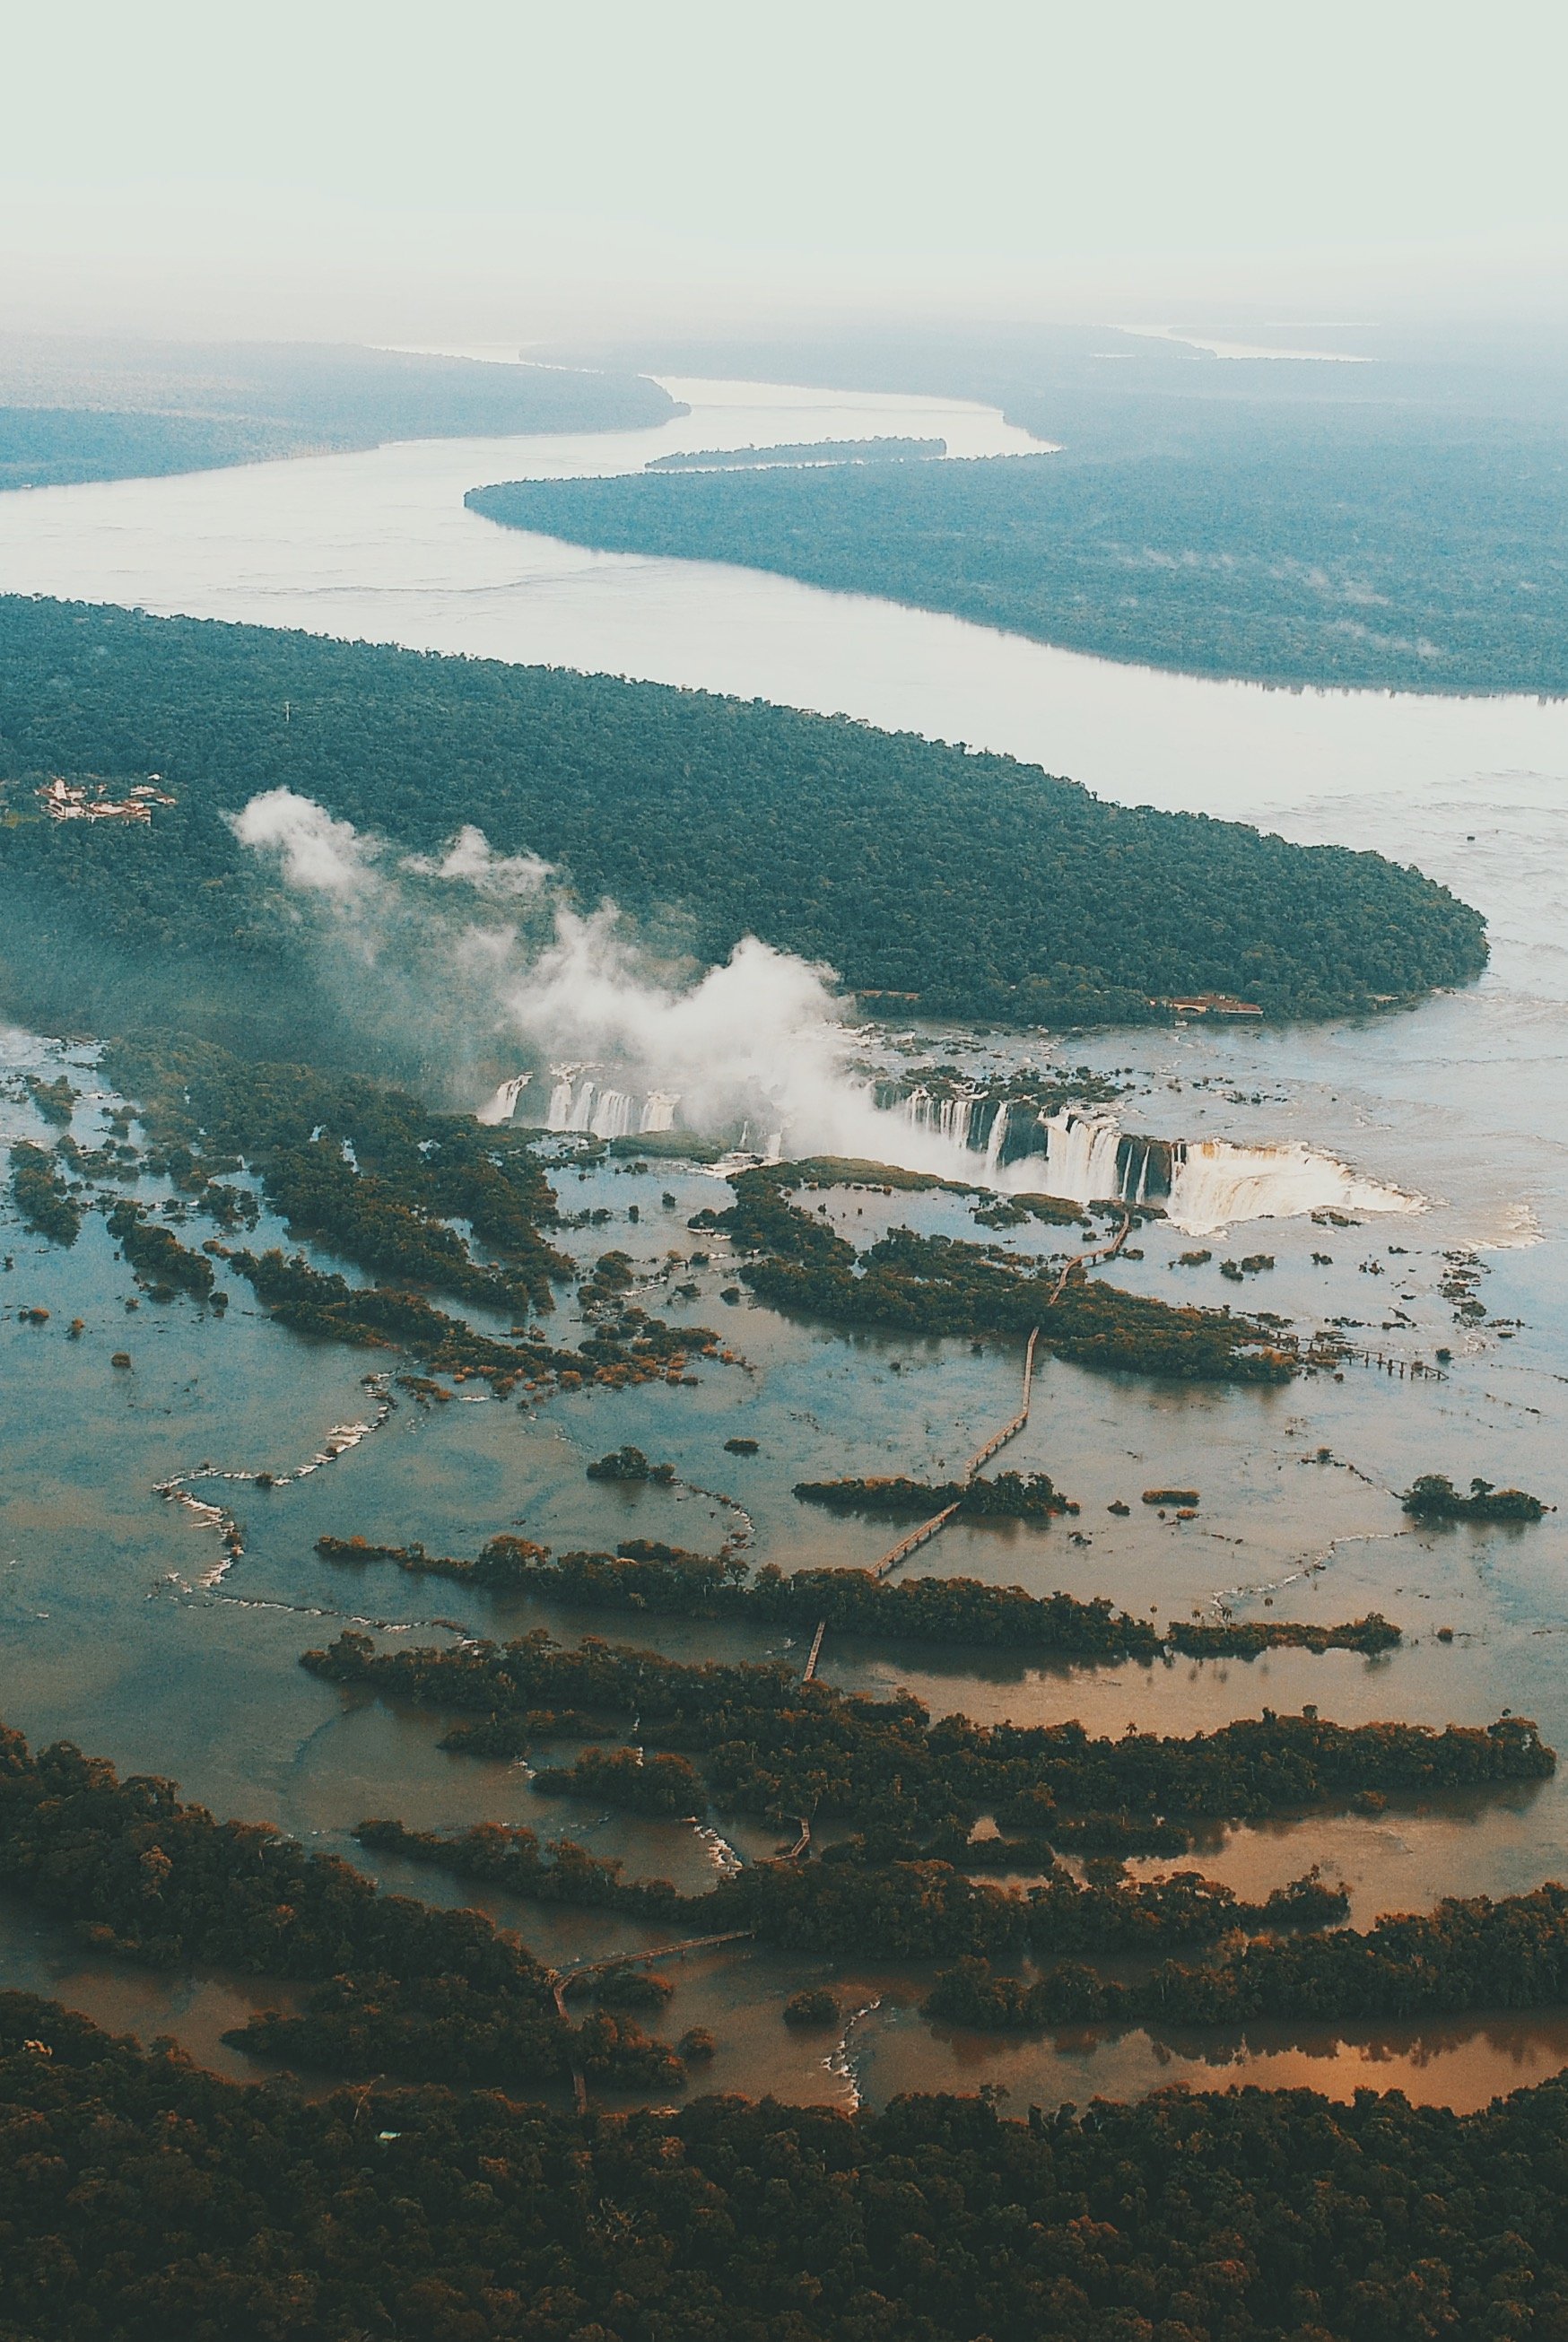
757	1048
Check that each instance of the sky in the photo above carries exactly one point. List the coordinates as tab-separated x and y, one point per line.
389	170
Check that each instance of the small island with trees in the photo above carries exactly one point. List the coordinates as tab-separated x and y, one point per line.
884	450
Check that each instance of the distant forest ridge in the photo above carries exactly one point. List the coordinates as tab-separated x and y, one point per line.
964	884
75	410
805	451
1288	550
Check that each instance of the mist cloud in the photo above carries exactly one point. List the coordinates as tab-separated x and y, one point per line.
319	854
471	859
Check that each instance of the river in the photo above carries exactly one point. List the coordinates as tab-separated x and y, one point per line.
1462	1103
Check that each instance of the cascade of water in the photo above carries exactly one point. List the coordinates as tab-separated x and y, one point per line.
559	1117
612	1116
957	1118
1081	1152
503	1104
1213	1182
994	1142
659	1110
581	1116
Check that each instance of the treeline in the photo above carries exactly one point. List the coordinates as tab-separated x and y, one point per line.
157	1255
645	1575
504	1562
768	1742
112	410
1370	562
316	1301
1469	1954
1434	1498
941	1284
150	2192
44	1201
858	1903
884	450
1006	1495
982	885
397	1987
353	1163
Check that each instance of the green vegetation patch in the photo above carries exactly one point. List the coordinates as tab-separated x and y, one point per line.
1241	2212
1470	1953
105	410
972	884
43	1201
396	1986
1434	1498
1008	1496
769	1744
1371	558
939	1285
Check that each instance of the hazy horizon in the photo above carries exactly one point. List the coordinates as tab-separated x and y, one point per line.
530	179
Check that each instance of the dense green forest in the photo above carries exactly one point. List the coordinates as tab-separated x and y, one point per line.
1394	524
972	882
1387	570
81	409
146	2199
394	1985
1471	1953
801	451
643	1574
772	1744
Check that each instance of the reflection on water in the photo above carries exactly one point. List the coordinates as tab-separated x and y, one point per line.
1460	2063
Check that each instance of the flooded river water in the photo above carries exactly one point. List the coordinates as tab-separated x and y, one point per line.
123	1633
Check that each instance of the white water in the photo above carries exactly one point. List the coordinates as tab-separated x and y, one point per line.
1215	1183
606	1113
503	1103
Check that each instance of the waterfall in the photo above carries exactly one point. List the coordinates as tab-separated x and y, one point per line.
952	1119
1213	1182
560	1115
659	1110
1081	1156
612	1116
993	1145
503	1104
582	1109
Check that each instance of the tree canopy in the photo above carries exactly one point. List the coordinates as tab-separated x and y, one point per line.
965	883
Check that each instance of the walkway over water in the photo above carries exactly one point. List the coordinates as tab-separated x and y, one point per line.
923	1535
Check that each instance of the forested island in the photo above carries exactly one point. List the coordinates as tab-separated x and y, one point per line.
664	1580
75	409
1471	1953
1434	1498
768	1742
1006	1495
1328	551
391	1983
968	884
796	1262
805	451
